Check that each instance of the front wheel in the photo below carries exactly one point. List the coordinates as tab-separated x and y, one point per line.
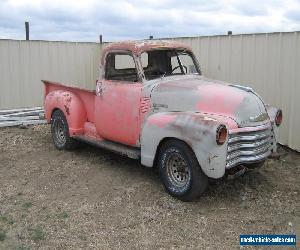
180	171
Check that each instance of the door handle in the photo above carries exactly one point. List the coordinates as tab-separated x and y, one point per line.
99	89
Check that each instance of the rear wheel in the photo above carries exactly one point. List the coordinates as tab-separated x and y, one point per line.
180	171
60	132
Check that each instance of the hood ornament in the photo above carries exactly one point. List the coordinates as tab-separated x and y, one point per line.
247	89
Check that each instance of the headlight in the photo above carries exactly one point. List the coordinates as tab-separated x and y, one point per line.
278	117
221	134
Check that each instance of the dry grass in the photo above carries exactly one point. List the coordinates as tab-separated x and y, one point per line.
94	199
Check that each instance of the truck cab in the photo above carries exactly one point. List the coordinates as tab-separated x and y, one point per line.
152	103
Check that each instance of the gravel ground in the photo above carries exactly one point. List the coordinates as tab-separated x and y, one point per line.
93	199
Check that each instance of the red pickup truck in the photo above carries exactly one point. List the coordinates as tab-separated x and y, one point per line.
152	103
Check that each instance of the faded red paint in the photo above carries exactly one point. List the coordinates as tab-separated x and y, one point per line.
77	105
91	131
162	120
219	98
118	112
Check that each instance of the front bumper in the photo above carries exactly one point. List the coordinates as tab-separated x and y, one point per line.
249	145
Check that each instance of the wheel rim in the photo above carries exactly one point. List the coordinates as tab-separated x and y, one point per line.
177	170
59	132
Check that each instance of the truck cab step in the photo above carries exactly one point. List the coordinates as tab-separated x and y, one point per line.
131	152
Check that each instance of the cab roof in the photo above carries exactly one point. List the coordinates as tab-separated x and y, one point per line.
137	47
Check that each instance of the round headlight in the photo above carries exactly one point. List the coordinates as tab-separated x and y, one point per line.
278	117
221	134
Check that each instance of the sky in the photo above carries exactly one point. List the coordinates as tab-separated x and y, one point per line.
85	20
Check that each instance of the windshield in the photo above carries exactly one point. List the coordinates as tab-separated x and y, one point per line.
161	63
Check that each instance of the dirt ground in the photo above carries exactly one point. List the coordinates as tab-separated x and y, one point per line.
93	199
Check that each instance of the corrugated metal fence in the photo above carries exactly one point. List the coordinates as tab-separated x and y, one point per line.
23	64
267	62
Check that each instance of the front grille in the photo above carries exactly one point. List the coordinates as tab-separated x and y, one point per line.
249	146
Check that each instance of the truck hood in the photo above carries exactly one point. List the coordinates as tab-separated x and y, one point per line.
200	94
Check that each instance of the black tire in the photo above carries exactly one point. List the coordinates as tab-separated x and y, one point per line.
60	132
255	165
180	171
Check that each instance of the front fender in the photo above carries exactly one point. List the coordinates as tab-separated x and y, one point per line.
72	107
272	111
195	129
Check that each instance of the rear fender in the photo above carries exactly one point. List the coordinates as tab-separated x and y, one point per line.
72	107
197	130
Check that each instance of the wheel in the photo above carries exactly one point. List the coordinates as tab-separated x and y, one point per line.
60	132
180	171
255	165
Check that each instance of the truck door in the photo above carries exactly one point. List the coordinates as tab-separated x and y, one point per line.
117	101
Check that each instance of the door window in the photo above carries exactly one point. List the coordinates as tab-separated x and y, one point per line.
120	67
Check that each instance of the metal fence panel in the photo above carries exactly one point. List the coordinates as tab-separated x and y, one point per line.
23	64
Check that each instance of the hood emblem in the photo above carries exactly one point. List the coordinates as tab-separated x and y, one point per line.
261	117
159	105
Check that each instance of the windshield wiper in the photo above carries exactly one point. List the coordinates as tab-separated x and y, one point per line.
163	75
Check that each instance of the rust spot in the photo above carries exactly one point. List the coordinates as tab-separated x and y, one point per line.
137	47
67	109
210	158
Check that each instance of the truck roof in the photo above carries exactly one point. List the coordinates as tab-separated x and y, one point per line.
138	47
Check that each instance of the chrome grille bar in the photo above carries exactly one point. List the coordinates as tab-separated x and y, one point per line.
248	146
242	145
250	152
251	159
247	136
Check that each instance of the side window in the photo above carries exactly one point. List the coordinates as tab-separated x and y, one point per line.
120	67
144	60
124	62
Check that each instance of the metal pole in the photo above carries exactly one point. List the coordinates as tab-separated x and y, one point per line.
150	37
27	30
100	37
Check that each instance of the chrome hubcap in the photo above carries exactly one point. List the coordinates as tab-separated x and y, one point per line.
177	170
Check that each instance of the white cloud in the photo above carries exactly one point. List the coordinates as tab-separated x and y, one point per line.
84	20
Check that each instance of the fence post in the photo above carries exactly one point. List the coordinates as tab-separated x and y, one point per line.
27	30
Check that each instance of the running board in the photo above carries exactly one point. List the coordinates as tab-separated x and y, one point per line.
121	149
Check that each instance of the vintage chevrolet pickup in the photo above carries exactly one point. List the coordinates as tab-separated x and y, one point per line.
152	103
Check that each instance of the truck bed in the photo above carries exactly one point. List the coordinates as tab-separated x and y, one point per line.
87	96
